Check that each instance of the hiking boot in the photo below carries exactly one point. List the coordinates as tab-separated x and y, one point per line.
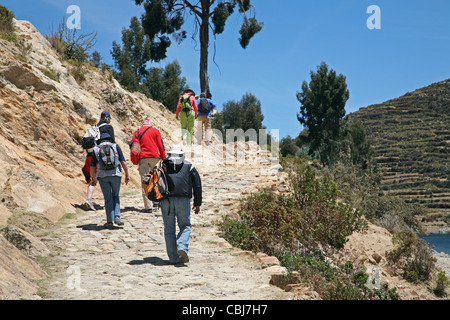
108	225
183	256
118	221
90	204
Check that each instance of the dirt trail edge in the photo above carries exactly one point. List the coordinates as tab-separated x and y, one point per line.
130	262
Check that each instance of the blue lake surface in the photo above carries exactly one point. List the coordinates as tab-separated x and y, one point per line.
439	242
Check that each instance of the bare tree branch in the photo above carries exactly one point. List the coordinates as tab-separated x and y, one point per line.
194	8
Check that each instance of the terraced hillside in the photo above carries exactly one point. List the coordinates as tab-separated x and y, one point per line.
411	136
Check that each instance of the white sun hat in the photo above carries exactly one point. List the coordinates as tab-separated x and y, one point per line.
176	154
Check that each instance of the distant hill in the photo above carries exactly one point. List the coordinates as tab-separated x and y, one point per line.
411	136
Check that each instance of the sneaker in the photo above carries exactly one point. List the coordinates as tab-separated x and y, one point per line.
90	204
118	221
147	210
155	206
108	225
183	256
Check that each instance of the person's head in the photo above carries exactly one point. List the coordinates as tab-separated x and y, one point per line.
104	137
189	91
202	95
105	116
175	154
147	122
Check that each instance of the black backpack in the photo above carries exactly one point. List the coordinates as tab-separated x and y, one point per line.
204	106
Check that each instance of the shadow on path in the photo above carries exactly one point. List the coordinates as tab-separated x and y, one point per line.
85	207
96	227
156	261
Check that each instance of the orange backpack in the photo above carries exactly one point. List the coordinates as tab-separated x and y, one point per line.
155	184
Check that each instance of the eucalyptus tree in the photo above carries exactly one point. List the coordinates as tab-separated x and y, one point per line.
167	17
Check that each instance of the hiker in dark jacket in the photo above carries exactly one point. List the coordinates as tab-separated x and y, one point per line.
105	126
109	178
184	182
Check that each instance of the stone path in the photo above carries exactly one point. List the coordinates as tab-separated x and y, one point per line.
130	262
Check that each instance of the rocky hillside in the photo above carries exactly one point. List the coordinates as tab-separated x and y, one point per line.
44	114
411	136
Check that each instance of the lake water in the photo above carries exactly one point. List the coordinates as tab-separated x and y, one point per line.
439	242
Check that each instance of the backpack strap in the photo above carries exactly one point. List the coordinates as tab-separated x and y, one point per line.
140	137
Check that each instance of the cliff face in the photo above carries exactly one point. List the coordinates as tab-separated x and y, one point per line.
44	114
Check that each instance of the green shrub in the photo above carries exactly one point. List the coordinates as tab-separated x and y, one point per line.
71	45
6	20
442	282
49	73
360	278
308	216
77	70
238	234
329	281
411	255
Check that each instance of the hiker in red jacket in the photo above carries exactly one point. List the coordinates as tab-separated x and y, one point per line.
152	150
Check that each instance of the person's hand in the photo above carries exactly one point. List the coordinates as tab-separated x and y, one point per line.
94	181
196	209
127	179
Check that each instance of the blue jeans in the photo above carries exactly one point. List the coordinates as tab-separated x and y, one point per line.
110	188
180	209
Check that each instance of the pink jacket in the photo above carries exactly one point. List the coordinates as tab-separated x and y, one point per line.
193	104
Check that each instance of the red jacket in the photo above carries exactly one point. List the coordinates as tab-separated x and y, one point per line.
193	104
152	145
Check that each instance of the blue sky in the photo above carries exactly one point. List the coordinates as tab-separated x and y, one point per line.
410	51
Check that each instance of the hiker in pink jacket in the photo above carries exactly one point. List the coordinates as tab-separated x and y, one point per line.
187	112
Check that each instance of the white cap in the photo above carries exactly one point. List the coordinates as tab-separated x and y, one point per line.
176	155
147	122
